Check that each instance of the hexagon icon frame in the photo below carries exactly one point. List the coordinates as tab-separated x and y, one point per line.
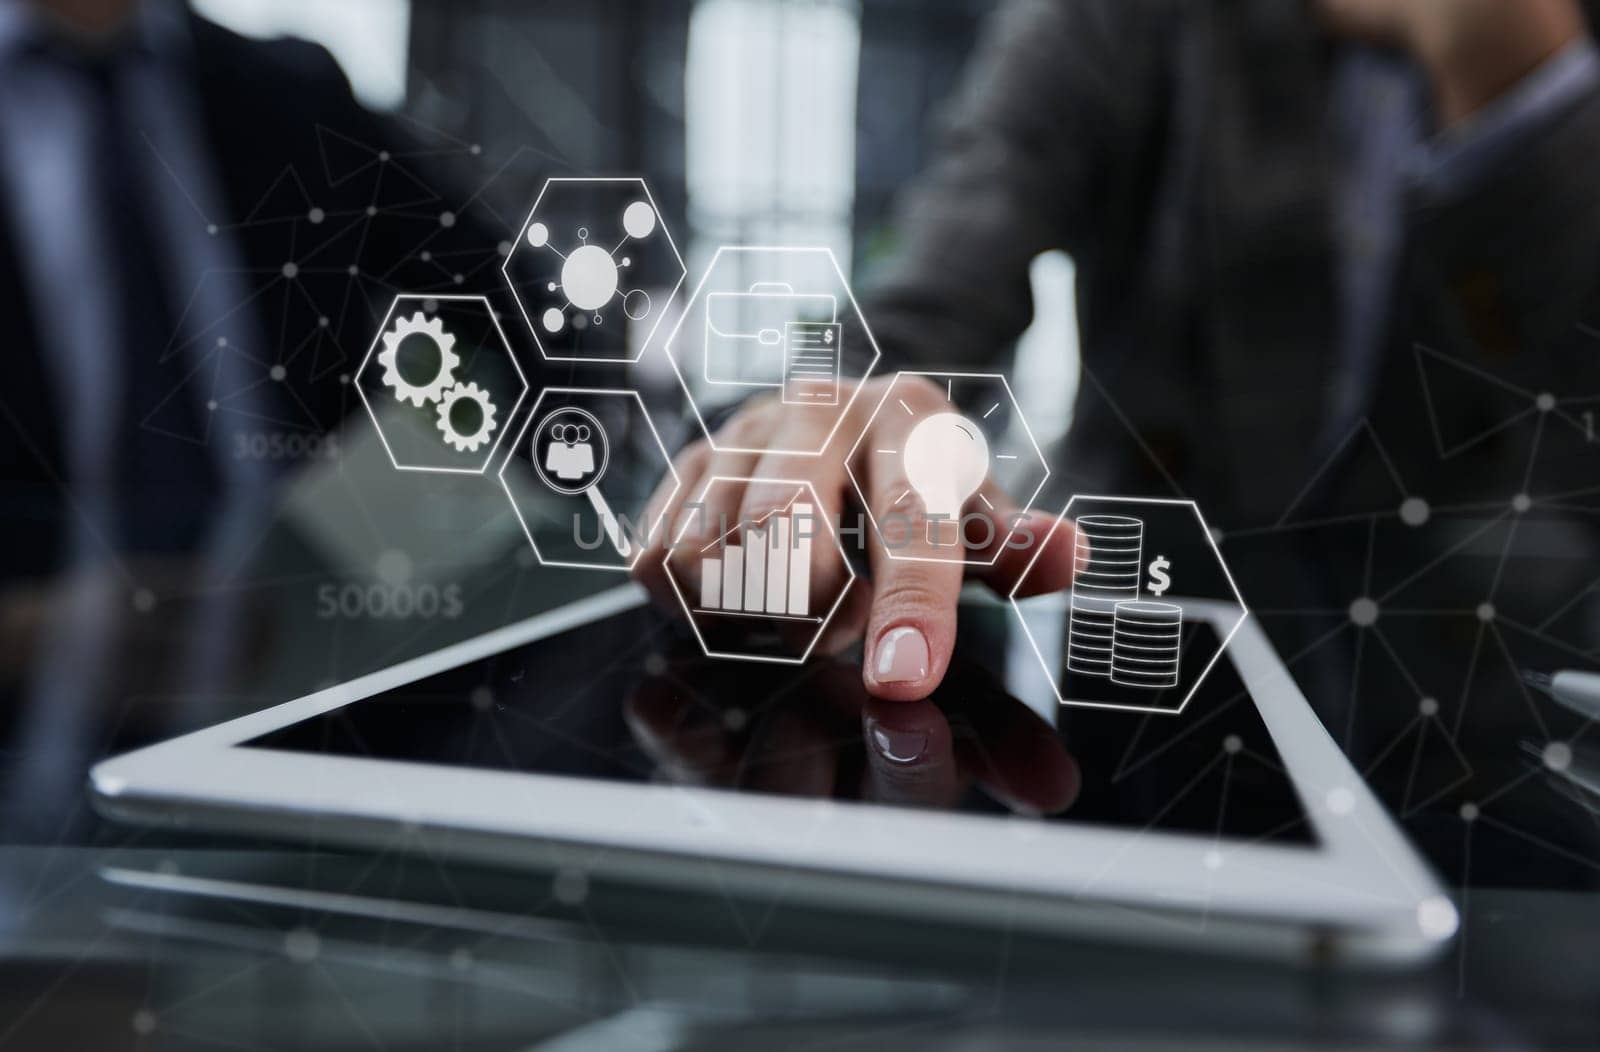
822	625
521	244
522	434
505	345
1051	675
1033	443
700	290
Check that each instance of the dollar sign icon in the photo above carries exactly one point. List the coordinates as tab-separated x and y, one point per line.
1159	581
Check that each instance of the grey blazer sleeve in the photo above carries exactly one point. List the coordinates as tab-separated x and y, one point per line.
1055	90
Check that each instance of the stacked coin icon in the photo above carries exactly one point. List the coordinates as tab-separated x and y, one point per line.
1109	550
1145	644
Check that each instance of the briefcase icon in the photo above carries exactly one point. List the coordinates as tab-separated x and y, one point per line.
745	343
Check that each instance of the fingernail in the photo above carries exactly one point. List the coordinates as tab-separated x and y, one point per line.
897	746
902	656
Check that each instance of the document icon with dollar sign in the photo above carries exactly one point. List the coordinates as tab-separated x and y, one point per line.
811	363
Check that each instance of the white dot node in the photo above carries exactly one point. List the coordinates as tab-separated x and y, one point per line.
1364	612
504	248
1437	917
430	306
211	405
302	945
639	220
475	149
222	341
354	271
168	867
1428	706
323	323
538	235
655	665
461	959
384	156
1414	511
426	257
291	270
1546	402
460	279
1469	812
1557	756
1485	612
278	372
1232	744
447	219
570	886
317	215
1217	536
1341	801
734	720
482	698
211	228
144	1022
394	567
553	320
372	210
344	378
589	277
526	558
1521	503
144	600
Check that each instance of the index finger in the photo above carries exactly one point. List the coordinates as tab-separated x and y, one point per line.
911	629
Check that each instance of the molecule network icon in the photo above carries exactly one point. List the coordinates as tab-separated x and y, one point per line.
594	269
591	275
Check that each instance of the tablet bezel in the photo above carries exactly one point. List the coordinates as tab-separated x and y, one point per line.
1362	884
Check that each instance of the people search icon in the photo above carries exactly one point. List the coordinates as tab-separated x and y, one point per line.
570	453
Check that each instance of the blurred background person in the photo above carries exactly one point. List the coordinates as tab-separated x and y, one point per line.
1324	251
172	224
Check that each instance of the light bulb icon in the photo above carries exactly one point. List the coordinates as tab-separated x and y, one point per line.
946	460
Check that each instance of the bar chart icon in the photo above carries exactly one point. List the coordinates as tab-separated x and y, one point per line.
762	568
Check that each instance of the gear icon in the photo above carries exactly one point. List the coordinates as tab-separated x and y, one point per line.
419	394
466	427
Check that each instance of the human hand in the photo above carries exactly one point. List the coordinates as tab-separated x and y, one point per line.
908	609
1473	50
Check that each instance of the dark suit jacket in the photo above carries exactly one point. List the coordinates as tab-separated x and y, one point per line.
285	135
1180	153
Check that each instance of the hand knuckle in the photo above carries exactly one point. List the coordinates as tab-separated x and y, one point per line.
907	593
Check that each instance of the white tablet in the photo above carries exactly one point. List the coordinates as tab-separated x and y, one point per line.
598	735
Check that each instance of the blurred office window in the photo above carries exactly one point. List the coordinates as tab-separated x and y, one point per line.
368	37
770	93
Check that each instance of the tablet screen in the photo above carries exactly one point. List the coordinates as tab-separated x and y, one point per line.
632	698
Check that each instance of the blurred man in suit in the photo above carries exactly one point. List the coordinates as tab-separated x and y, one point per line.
1269	203
155	170
198	234
1333	257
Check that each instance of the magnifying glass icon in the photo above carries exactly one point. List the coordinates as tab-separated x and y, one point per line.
571	452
